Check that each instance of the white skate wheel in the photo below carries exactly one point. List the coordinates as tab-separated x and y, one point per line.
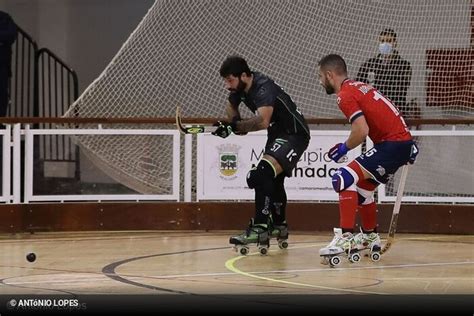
334	261
283	244
355	257
375	256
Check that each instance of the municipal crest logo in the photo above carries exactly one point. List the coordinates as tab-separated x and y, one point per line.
228	160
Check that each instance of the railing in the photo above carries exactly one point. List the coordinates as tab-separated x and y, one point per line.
23	80
12	140
28	134
42	85
57	90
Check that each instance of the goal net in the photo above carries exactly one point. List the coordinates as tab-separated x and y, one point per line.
173	57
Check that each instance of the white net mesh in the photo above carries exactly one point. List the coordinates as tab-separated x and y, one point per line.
143	163
173	57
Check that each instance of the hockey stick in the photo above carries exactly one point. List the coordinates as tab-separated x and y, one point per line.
396	210
191	129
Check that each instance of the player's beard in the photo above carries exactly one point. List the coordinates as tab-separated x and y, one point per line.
240	87
329	89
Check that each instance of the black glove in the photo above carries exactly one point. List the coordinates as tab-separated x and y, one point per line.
224	129
235	120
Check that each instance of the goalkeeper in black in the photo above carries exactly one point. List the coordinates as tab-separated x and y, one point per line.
288	137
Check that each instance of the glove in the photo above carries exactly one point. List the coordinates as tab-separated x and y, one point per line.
234	127
223	129
414	152
338	152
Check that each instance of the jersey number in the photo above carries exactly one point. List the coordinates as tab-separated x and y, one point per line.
378	96
275	147
370	152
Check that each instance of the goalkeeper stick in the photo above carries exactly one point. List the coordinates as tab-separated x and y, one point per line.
396	210
191	129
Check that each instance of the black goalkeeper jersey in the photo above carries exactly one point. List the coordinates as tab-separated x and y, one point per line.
264	91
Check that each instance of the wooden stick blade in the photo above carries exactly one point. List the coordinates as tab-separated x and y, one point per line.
191	129
391	233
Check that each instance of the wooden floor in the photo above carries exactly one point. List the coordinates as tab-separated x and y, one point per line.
202	263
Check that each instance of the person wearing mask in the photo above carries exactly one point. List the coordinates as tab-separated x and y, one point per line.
389	73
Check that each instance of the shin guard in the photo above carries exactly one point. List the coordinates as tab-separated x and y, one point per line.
348	201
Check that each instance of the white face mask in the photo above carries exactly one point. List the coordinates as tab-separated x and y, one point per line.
385	48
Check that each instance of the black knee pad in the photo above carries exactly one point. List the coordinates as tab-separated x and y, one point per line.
262	173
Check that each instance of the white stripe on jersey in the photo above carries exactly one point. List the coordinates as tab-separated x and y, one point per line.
354	114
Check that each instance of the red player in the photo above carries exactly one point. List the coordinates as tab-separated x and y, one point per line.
370	114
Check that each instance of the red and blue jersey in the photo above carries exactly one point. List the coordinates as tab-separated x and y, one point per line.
383	118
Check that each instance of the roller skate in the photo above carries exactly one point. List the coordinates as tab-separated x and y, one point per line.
341	244
254	234
370	242
280	232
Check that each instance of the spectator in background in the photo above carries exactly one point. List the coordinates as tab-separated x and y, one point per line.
8	34
390	74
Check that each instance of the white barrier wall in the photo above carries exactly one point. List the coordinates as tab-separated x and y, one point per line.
222	166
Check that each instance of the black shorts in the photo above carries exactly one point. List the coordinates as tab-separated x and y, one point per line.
287	150
384	159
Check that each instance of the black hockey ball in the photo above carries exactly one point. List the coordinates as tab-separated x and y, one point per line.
31	257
